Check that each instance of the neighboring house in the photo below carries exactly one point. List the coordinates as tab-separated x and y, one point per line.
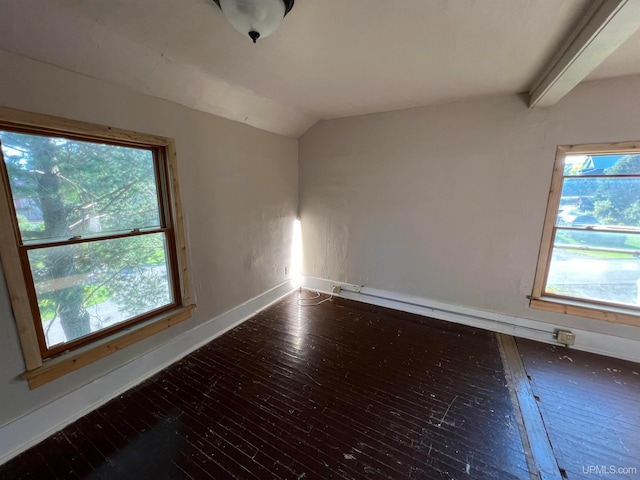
599	164
576	219
29	208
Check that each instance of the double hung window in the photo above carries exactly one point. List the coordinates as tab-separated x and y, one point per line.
93	220
589	261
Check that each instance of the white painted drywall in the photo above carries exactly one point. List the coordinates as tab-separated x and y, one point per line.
239	195
447	202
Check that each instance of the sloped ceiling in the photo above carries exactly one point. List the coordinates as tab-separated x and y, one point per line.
330	58
623	62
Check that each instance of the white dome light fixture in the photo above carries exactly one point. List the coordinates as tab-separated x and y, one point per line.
255	18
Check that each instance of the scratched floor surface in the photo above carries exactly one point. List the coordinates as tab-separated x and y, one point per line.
590	405
338	390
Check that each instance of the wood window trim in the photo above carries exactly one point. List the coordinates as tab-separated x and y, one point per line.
39	371
539	300
570	307
76	359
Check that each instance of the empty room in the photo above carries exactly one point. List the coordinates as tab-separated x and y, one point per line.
260	239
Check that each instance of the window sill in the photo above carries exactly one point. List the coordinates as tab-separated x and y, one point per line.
73	360
579	309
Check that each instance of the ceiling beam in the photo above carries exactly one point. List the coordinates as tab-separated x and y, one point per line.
606	26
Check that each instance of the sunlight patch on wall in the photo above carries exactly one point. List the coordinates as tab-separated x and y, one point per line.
296	254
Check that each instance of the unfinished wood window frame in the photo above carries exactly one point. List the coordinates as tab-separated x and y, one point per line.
541	300
38	369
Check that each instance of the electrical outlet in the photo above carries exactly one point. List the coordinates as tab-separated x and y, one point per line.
286	270
568	338
335	289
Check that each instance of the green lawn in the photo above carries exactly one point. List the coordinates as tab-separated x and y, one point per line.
631	242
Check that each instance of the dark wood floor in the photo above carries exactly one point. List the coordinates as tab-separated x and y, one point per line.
338	390
590	405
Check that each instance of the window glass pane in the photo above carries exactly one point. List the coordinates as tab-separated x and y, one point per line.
600	201
64	188
592	265
86	287
586	165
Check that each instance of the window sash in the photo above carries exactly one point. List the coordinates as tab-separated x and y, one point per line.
49	351
595	242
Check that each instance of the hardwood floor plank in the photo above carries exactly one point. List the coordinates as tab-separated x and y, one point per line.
338	390
545	465
591	408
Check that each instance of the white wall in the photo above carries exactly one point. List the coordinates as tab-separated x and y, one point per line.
447	202
239	194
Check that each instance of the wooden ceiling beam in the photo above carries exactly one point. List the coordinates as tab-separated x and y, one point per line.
606	26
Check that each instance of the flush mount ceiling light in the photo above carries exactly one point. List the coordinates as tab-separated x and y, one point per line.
256	18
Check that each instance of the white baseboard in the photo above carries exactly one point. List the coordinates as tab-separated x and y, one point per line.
30	429
600	343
